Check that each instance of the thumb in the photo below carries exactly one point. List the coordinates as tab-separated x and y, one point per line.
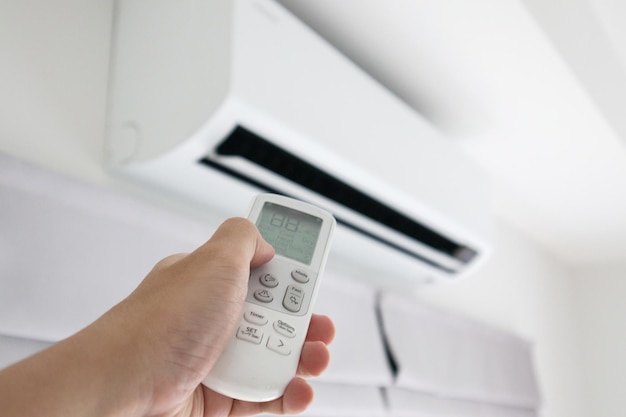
239	242
263	252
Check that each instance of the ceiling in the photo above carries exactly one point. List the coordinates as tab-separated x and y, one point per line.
533	90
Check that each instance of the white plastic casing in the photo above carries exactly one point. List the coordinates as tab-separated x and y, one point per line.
186	73
261	359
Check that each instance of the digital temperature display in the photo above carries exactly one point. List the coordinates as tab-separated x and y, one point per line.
293	234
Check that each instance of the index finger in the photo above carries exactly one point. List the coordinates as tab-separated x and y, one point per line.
236	242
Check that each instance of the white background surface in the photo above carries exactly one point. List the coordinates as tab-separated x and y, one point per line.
53	77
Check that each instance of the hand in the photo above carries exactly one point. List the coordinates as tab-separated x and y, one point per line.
148	355
297	397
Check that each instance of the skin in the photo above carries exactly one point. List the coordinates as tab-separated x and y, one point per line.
148	354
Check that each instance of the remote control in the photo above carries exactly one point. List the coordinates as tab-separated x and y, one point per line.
262	355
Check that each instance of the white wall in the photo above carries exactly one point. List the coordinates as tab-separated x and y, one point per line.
600	296
523	290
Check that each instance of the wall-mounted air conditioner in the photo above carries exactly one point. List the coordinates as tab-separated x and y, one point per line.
219	99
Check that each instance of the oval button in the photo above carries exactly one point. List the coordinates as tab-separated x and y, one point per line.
293	299
263	296
250	334
255	317
268	280
300	276
285	329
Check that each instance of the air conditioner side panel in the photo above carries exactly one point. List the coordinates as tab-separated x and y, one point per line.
170	70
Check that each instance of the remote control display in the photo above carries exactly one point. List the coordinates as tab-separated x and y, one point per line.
292	233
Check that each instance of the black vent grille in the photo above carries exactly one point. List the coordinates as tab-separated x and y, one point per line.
245	144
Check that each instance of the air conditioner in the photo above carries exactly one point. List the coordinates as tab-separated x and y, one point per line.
217	100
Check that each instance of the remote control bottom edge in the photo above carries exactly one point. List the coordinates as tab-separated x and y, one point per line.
234	390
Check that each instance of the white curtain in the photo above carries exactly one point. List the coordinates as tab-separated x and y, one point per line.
351	386
445	357
358	353
69	251
347	401
406	403
13	349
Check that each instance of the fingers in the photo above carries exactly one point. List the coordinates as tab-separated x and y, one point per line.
238	242
298	396
170	260
315	357
321	329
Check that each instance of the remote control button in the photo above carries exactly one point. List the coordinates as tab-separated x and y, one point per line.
278	345
285	329
268	280
293	298
255	317
263	296
250	334
299	275
295	289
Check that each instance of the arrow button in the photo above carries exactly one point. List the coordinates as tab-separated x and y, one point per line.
278	345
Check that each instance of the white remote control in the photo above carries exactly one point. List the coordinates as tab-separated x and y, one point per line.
262	356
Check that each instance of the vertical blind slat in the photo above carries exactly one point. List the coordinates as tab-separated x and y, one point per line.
451	356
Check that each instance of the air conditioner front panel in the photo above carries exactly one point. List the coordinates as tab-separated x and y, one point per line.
262	70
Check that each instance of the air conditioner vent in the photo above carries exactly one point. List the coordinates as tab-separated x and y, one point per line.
245	144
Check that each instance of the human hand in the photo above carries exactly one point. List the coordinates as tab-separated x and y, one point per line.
297	397
194	302
148	355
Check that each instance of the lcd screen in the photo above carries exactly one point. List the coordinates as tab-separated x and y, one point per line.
293	234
